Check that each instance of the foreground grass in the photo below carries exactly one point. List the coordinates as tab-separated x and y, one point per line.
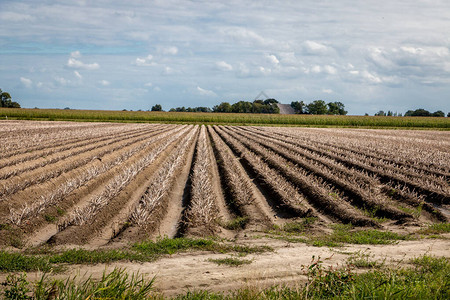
47	259
224	118
427	278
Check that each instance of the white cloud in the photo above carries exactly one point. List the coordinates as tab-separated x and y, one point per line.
327	91
75	54
145	61
61	81
247	36
330	69
273	59
149	84
264	71
243	70
312	47
316	69
157	89
76	64
222	65
78	74
26	82
204	92
104	82
168	71
168	50
372	78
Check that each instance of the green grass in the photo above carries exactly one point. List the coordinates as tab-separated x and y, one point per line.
437	228
47	259
342	234
231	261
225	118
236	223
117	284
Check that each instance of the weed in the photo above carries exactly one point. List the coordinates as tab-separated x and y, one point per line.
362	260
236	223
230	261
331	282
49	218
16	287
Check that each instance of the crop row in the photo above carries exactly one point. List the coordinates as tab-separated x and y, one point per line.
147	180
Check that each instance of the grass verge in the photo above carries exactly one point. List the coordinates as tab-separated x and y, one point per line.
342	234
47	259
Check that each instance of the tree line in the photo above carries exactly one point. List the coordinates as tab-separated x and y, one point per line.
412	113
319	107
268	106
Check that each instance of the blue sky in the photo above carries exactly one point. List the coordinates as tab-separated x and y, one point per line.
370	55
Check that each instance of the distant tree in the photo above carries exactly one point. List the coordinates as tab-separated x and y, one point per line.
448	114
157	107
380	114
389	113
242	107
418	113
366	114
298	106
336	108
223	107
66	107
270	101
6	101
172	110
438	113
317	107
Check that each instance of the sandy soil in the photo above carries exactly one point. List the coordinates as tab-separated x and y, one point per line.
179	273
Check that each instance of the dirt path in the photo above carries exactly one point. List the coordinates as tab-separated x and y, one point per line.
192	271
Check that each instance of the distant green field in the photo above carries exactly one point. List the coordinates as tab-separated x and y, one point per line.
224	118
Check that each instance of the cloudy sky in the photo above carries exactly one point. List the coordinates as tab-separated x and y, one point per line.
370	55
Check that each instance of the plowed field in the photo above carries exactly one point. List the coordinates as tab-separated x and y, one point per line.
95	184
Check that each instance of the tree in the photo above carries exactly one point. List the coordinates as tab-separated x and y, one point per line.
5	100
336	108
223	107
438	113
380	114
270	101
242	107
157	107
317	107
448	114
418	113
298	106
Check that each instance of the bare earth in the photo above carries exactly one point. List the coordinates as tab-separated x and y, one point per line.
179	273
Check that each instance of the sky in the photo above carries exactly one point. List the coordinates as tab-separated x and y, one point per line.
114	55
